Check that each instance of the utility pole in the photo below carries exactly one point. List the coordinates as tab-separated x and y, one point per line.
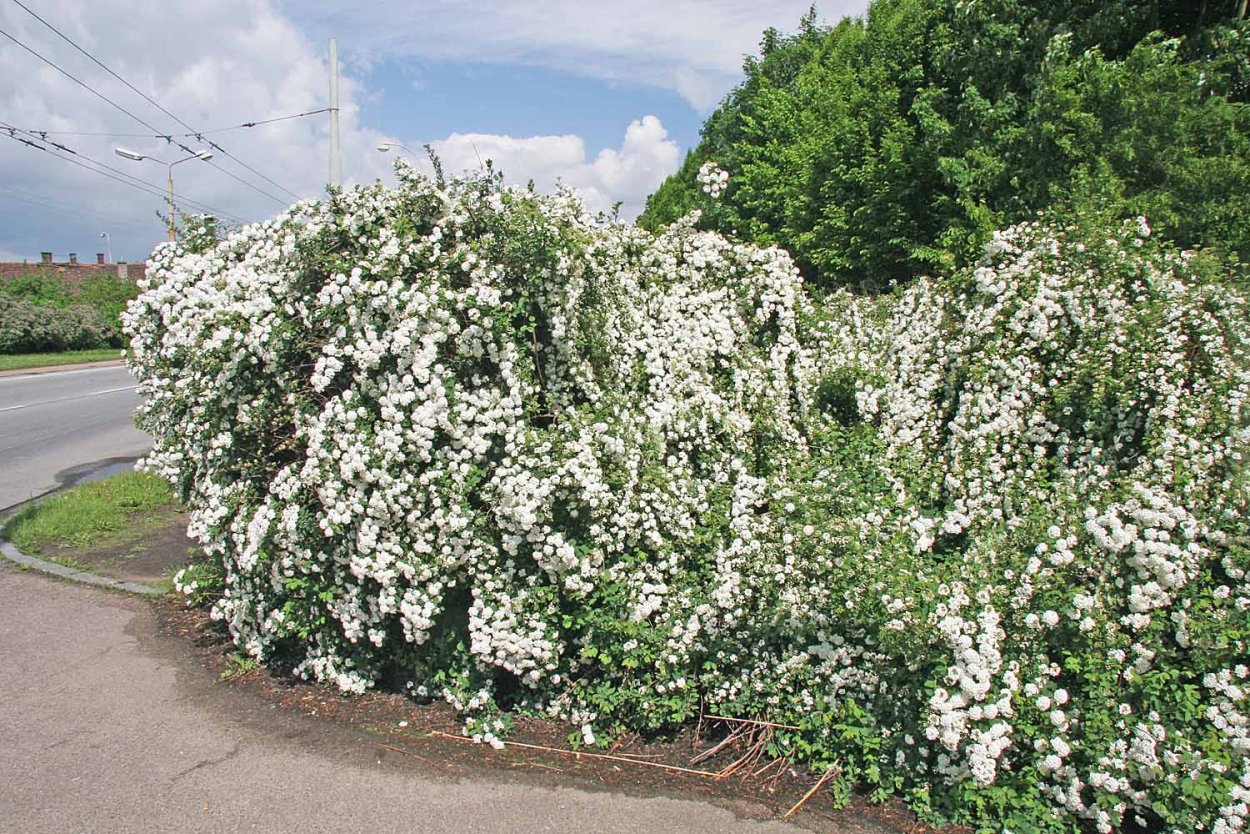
336	162
173	210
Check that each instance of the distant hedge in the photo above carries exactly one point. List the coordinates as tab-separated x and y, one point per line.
26	327
40	313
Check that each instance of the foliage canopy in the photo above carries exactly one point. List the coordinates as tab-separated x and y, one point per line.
886	147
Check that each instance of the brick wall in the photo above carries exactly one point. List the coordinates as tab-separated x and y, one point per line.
71	273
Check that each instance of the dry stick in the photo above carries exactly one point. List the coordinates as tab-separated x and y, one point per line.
734	766
725	742
753	721
775	778
768	767
579	753
535	764
747	758
833	768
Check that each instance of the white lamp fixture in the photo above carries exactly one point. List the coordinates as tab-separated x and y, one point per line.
385	147
169	172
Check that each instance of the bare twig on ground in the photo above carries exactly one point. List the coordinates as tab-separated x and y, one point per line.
750	721
736	735
579	753
768	767
412	755
833	770
749	758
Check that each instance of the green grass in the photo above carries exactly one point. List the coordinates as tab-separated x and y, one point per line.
237	665
92	514
18	361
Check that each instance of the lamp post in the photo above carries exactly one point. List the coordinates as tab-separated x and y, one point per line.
108	245
169	172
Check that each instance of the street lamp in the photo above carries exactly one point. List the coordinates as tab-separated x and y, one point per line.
385	147
108	244
169	171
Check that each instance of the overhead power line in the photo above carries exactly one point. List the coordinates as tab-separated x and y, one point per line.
108	171
260	122
194	133
257	123
78	81
8	192
141	185
198	204
167	137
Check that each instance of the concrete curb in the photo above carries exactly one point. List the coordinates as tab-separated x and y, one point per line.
10	552
52	369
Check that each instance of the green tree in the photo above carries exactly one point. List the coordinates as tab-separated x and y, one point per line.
890	145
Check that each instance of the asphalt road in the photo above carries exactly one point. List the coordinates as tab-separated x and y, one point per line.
109	727
52	423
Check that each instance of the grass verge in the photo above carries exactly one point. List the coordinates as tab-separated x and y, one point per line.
93	514
19	361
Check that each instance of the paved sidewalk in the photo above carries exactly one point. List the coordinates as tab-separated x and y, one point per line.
105	727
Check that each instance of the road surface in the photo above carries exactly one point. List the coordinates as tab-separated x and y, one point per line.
51	423
108	727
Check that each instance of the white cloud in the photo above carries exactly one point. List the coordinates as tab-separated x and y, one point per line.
213	65
627	174
226	62
693	47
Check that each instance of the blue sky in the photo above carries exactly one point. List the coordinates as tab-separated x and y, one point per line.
602	96
432	99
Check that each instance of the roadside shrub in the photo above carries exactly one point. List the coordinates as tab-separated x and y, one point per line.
38	288
471	440
982	540
1014	589
108	295
29	328
105	295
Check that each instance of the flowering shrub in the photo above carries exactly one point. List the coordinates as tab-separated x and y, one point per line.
472	440
1034	550
982	541
712	180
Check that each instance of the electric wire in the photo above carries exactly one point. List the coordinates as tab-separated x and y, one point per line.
160	193
168	137
112	173
257	123
80	82
260	122
194	133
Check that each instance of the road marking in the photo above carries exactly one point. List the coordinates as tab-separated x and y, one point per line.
67	399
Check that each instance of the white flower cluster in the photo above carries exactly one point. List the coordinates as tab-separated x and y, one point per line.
986	534
457	429
712	179
1058	436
